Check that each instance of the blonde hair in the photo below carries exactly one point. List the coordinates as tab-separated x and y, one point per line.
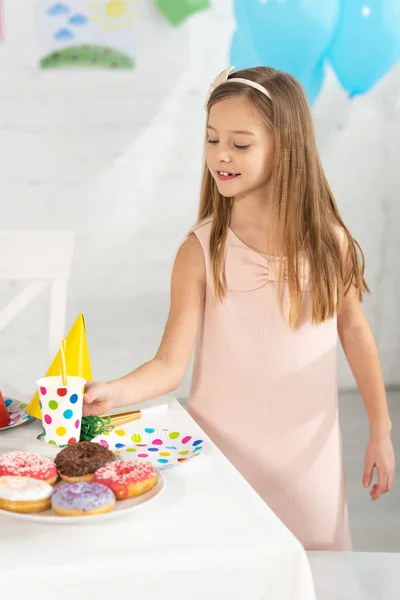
305	215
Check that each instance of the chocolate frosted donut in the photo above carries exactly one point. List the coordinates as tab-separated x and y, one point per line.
78	462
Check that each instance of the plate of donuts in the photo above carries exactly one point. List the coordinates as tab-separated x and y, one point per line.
82	483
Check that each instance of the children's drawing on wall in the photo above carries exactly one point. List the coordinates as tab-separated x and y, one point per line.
89	34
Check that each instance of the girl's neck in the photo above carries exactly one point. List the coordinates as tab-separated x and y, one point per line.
251	212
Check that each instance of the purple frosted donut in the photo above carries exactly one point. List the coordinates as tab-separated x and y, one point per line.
82	498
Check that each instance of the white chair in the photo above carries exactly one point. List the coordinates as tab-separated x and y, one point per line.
42	259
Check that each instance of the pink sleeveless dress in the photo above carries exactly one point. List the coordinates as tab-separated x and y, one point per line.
267	396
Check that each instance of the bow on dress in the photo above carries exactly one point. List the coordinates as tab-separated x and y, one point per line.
247	270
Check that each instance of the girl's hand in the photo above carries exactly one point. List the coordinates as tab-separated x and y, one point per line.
98	399
379	455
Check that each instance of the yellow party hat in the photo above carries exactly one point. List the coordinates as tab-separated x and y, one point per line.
77	360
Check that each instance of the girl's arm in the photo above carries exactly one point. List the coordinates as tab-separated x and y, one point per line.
362	355
166	370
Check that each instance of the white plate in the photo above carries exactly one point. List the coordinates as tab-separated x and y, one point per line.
17	411
163	448
121	507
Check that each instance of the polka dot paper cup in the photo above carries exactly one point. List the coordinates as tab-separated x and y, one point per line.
61	408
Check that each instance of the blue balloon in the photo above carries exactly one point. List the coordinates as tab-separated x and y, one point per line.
312	82
243	57
290	35
367	43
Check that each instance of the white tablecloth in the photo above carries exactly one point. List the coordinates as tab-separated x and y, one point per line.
209	537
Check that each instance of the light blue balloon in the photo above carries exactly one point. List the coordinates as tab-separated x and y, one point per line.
367	43
290	35
312	82
243	57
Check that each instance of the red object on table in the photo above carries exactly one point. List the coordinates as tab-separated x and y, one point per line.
4	416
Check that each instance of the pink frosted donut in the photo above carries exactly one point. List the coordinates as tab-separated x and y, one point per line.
127	478
26	464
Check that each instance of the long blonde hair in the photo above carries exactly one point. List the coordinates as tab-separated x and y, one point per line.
304	211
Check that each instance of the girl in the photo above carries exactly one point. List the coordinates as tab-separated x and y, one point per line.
265	281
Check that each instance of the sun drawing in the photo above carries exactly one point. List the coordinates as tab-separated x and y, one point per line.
113	14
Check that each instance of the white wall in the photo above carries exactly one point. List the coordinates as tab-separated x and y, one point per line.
117	157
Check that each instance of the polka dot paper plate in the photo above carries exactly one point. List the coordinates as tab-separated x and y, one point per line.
17	411
163	448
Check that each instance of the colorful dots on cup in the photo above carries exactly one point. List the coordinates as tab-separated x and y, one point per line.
62	392
72	441
74	398
48	419
174	434
104	443
53	404
137	438
68	413
77	423
43	391
61	431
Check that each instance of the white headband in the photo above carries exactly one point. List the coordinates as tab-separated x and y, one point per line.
223	78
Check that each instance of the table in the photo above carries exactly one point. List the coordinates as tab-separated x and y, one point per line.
356	575
209	536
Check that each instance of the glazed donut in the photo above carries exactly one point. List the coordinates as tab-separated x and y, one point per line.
127	478
24	494
78	462
81	499
26	464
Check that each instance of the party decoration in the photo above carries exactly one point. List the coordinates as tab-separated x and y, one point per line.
176	11
4	414
289	36
77	359
312	82
17	412
162	448
244	56
86	33
366	44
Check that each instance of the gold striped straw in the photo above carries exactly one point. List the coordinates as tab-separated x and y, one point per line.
63	350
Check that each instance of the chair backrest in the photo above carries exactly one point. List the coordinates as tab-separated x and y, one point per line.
42	258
